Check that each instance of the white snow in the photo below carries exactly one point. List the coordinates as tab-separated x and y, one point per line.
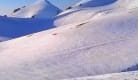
39	9
87	42
79	14
115	76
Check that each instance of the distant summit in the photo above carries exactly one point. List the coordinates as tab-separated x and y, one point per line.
39	9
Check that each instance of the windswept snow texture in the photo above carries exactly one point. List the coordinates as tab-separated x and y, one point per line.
16	27
107	45
105	41
39	9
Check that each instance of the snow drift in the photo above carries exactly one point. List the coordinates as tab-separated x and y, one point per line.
39	9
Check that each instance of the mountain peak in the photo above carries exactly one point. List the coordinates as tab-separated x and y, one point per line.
39	9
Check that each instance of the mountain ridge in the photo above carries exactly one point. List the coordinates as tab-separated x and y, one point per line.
39	9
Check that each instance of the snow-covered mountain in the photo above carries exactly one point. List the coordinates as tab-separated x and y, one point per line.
87	41
85	10
39	9
18	26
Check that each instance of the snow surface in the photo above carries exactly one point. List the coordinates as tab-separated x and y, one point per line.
39	9
115	76
104	43
79	14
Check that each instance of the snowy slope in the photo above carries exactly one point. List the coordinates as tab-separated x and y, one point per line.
94	3
81	13
16	27
39	9
106	45
104	3
115	76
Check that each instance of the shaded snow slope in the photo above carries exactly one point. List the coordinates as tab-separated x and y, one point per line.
104	3
79	14
132	68
94	3
39	9
115	76
3	39
16	27
106	45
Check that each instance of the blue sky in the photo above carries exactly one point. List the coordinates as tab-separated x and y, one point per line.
7	6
